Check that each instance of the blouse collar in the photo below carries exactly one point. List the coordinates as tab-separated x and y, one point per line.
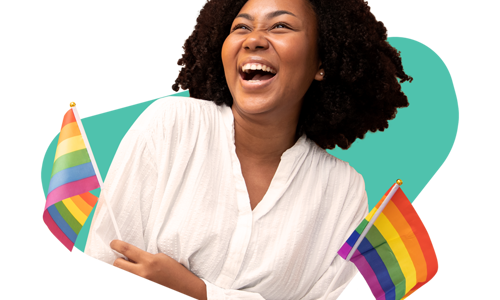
299	147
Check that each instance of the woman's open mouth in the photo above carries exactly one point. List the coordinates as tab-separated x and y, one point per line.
254	72
256	79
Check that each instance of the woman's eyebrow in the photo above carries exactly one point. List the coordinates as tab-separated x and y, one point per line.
270	15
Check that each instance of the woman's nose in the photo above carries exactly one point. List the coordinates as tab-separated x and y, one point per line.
256	41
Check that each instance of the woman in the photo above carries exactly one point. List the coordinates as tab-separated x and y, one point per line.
236	198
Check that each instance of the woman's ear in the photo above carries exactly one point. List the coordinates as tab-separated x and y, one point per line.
320	75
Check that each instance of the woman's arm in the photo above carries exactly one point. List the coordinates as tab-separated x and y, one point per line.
159	268
194	289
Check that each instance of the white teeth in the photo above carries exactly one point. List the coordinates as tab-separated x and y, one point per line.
252	66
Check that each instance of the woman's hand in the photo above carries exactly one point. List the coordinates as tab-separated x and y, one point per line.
159	268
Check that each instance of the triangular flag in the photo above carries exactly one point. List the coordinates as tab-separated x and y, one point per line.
69	201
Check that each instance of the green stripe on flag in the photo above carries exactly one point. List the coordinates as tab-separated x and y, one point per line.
68	217
69	160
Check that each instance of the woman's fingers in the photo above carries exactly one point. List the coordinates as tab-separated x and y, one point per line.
130	251
128	266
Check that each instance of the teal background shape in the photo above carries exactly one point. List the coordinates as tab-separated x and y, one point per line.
413	148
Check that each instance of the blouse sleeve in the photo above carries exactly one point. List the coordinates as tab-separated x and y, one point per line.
216	293
320	288
356	196
129	183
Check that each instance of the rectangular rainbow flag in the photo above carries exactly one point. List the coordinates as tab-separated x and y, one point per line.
395	255
69	202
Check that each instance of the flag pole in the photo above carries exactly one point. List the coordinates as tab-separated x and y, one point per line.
94	164
394	189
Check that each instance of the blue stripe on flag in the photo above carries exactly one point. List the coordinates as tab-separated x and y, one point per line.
353	238
61	223
378	266
71	174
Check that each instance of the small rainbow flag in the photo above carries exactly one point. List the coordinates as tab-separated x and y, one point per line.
69	202
395	254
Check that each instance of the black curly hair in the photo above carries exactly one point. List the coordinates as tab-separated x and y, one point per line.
359	93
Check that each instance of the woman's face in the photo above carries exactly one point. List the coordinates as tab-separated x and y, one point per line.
270	57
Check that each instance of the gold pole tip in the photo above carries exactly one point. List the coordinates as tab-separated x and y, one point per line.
399	182
72	104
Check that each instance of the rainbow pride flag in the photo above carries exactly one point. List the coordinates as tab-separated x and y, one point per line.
396	257
69	201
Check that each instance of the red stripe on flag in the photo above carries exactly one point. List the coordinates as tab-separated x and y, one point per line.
430	265
56	231
89	198
69	117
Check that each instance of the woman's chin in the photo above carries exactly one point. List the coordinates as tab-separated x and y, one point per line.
254	105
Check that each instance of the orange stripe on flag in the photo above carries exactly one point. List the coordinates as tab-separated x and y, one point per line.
82	205
89	198
395	216
69	131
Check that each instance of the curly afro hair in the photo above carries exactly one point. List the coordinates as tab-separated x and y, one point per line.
359	93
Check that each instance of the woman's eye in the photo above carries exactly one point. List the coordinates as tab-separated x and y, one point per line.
274	26
240	26
284	25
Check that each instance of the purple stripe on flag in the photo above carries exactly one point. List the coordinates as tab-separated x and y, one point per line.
344	251
366	270
72	189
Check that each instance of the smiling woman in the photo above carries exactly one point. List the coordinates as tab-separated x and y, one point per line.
359	90
235	197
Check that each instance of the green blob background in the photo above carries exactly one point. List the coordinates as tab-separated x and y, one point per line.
413	148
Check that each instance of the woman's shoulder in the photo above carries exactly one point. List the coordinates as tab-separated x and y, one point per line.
180	101
338	168
175	111
326	159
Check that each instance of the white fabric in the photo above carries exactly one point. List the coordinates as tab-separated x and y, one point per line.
176	187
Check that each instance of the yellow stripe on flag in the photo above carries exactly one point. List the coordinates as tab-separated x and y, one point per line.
75	211
374	210
399	249
69	145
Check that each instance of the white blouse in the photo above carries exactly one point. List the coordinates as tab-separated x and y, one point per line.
176	187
